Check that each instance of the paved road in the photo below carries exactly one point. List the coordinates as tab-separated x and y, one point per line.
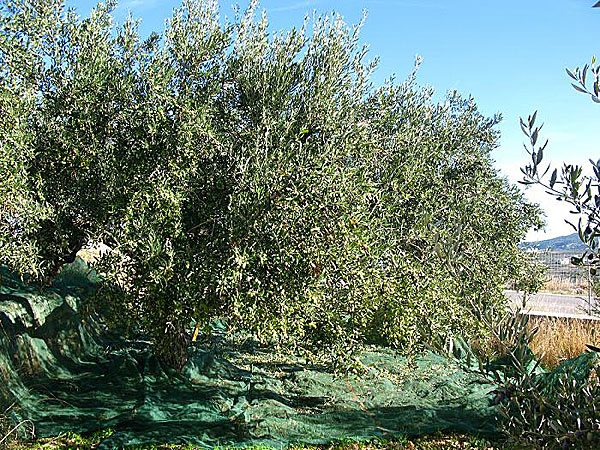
557	305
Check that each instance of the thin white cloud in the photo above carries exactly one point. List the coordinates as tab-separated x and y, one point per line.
137	4
410	3
294	6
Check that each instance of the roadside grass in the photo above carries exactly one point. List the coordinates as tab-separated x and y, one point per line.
559	339
565	286
437	441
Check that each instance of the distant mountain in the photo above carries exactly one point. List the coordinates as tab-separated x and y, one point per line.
559	244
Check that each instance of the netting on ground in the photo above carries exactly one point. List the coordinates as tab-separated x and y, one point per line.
64	373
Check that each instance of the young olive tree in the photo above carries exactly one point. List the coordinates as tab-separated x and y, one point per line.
561	411
576	185
570	184
251	176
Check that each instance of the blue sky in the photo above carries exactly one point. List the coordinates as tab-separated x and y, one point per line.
510	56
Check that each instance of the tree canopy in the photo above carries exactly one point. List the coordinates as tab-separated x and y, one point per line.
254	176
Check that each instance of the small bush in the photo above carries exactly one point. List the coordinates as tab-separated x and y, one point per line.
559	411
555	410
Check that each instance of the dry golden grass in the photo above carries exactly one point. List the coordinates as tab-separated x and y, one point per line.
559	338
564	286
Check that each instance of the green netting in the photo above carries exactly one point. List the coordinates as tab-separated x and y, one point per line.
65	374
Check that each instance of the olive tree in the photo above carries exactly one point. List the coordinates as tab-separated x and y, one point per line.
579	188
254	176
576	185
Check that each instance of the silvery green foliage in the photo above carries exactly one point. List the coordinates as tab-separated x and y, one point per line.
541	410
251	175
559	410
21	210
562	416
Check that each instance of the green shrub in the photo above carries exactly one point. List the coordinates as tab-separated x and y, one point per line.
254	176
556	410
539	409
561	414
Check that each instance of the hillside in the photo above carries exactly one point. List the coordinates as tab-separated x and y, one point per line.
570	242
